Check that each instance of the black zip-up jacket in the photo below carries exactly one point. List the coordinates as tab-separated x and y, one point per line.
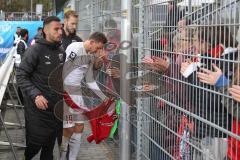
66	40
21	48
37	64
39	61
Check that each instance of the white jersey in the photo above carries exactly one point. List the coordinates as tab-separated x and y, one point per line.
75	77
78	69
77	57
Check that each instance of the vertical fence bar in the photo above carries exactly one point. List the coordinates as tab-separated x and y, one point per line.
124	124
31	9
92	15
54	7
140	56
189	7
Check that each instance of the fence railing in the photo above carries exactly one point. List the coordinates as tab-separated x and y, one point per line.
6	69
173	115
24	16
8	89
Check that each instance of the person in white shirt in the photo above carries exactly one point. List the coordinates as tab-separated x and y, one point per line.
16	36
80	62
21	46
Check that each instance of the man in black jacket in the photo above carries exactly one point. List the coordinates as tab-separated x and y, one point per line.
21	47
22	44
32	77
69	29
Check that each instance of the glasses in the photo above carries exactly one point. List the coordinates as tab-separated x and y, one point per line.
189	40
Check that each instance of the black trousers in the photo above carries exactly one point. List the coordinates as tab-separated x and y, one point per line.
20	95
42	129
46	151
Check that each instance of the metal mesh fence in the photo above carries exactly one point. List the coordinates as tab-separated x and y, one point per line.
188	107
23	16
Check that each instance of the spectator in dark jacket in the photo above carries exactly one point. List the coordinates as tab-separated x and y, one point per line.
21	47
69	29
38	36
69	36
223	83
210	43
178	92
234	106
22	44
32	77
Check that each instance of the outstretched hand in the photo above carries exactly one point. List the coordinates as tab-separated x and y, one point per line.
209	77
156	63
235	92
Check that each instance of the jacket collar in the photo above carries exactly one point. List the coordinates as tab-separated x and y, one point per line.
65	35
43	41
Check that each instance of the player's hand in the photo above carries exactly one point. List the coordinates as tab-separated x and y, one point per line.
101	56
41	102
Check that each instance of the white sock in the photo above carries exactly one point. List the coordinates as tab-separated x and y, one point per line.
64	147
74	145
